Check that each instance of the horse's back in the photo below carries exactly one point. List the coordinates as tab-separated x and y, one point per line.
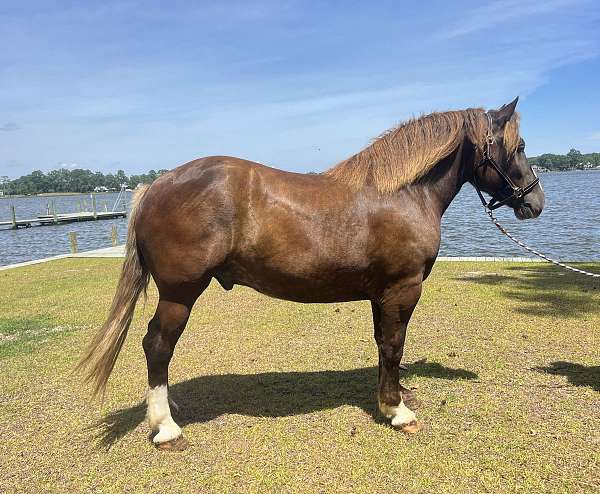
238	183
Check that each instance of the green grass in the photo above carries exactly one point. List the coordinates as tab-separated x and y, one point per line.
22	335
280	397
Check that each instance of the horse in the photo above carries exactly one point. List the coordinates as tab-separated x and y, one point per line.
366	229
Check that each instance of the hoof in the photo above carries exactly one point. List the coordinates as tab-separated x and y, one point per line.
178	444
410	399
412	427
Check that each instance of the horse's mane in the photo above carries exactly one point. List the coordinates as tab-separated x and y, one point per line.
407	152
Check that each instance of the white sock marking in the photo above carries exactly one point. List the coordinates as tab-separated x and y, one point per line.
400	415
159	415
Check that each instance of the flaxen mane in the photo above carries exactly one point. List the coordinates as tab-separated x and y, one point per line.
406	153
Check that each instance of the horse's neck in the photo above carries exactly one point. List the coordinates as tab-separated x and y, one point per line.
444	181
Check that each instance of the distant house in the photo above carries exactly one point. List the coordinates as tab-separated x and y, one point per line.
101	189
590	166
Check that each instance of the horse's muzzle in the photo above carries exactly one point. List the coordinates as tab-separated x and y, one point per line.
531	206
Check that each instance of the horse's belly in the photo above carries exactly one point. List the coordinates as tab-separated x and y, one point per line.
323	287
307	294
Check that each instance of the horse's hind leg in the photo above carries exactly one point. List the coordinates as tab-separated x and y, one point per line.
164	330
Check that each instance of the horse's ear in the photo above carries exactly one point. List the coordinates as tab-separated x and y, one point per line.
504	113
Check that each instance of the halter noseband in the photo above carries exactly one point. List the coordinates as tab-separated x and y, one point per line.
487	159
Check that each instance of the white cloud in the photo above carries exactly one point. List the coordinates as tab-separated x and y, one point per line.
496	13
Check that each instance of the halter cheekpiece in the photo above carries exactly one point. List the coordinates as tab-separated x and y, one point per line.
487	159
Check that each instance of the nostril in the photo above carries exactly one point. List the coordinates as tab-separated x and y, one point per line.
535	211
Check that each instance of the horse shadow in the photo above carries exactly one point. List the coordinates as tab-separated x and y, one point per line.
543	290
576	374
270	394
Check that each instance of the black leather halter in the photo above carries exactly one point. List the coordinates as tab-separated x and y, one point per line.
487	159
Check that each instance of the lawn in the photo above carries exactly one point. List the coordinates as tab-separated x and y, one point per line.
280	397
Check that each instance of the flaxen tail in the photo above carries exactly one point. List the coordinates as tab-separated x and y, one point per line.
102	352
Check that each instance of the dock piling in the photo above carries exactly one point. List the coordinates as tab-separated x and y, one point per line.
54	215
13	216
73	240
113	235
94	206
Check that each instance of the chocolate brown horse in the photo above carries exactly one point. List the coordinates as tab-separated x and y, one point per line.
367	229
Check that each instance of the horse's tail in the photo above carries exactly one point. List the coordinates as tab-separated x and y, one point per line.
102	352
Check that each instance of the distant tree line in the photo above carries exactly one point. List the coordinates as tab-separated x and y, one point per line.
77	180
573	160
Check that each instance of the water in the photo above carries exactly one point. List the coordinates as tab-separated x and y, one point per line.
26	244
568	229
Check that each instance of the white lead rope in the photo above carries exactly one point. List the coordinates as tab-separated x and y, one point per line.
533	251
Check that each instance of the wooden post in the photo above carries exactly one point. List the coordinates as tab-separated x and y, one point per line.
94	206
47	209
54	212
13	216
73	239
105	208
113	235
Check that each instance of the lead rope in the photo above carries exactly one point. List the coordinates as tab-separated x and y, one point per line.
533	251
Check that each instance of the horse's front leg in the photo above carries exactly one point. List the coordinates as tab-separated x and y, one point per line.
408	396
391	316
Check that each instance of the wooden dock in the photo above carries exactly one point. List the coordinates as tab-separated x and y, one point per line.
56	219
52	217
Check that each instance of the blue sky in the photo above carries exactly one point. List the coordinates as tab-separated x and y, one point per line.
297	85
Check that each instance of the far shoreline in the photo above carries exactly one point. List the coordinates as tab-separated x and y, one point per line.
57	194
